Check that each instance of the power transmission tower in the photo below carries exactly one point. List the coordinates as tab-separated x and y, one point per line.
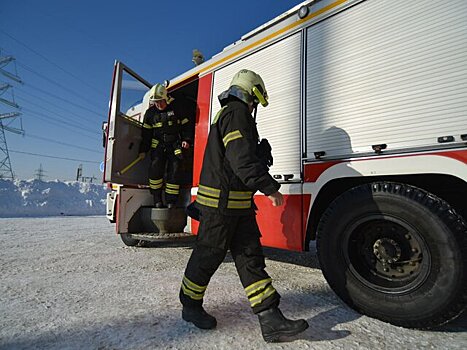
6	171
81	178
39	173
79	172
5	165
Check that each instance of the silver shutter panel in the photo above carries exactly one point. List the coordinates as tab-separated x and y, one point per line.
385	71
279	66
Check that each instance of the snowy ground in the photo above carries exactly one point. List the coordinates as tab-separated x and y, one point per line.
70	283
35	198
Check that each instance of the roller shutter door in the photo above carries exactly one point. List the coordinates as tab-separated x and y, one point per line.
387	72
279	66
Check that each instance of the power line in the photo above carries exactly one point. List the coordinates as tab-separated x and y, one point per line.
62	121
56	157
63	126
57	84
83	33
65	122
52	104
63	99
61	143
51	62
67	125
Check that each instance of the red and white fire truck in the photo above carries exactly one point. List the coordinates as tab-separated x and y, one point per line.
368	126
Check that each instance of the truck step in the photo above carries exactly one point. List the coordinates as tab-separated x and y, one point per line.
163	236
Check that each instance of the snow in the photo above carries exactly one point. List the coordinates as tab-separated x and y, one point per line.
70	283
22	198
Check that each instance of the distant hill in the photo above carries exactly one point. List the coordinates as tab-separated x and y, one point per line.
51	198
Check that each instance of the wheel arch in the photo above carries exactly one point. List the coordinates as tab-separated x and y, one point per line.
450	188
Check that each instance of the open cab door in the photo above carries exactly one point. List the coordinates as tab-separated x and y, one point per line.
128	103
131	204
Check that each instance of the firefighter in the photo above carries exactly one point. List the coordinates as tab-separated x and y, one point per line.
231	173
165	133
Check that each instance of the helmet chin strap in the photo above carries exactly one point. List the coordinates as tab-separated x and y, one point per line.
255	110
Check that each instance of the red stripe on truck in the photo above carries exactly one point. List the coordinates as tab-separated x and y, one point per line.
201	125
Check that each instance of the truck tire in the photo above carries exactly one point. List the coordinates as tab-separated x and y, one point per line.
128	240
397	253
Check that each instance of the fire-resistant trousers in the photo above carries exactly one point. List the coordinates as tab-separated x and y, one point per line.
218	233
164	161
163	158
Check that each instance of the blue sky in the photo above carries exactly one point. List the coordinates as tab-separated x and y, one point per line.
65	52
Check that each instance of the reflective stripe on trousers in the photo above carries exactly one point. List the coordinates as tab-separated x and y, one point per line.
217	233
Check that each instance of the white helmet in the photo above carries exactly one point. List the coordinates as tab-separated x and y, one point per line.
247	86
159	92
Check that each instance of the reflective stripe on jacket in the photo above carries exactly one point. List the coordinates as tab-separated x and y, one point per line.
232	171
167	126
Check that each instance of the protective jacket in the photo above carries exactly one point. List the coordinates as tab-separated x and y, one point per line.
168	126
163	133
232	171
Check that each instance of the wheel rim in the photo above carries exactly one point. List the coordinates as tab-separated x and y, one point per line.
386	254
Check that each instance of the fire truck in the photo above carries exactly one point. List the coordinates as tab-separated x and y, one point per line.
368	126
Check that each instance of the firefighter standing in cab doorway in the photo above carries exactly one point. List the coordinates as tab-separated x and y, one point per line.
165	132
231	173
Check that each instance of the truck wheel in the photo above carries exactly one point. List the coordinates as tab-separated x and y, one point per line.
397	253
128	240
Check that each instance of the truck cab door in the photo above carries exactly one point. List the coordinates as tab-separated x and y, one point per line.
128	103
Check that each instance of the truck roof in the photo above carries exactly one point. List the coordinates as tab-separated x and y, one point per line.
276	28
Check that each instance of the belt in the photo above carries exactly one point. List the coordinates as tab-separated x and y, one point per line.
166	138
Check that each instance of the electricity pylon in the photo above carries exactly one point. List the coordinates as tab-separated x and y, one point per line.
39	173
6	171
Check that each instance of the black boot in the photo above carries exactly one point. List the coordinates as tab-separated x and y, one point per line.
274	325
157	200
199	317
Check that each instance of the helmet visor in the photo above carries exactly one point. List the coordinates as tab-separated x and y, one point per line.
262	97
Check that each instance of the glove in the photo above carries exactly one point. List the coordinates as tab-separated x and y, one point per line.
263	151
192	211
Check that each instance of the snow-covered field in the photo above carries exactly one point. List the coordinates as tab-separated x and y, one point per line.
35	198
70	283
